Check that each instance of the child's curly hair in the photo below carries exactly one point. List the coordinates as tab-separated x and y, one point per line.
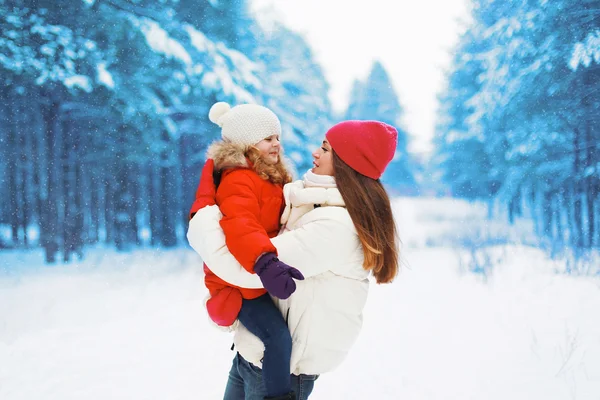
277	173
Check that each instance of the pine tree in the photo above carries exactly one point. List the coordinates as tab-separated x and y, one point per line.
460	152
376	99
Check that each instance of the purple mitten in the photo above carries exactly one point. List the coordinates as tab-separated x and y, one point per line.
276	276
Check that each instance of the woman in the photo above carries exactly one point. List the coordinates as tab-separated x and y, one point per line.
338	229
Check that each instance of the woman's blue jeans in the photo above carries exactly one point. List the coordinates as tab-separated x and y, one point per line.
245	382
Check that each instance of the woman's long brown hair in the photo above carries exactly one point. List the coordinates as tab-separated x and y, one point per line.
369	207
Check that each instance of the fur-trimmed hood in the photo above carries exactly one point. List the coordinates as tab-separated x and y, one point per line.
227	155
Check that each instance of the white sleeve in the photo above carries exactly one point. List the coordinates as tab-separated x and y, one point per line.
317	246
206	237
314	248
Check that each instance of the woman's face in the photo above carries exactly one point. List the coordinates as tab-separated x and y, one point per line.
323	160
269	148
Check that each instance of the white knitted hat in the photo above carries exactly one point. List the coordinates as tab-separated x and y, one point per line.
246	124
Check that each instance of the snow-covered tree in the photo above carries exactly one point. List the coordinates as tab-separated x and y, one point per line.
531	106
460	152
376	99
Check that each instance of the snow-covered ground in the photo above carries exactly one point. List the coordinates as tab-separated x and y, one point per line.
132	326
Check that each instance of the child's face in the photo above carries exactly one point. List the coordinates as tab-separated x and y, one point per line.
270	148
323	160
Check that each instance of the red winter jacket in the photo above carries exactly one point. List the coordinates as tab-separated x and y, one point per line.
251	208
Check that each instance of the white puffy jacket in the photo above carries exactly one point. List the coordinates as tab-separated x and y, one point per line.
324	314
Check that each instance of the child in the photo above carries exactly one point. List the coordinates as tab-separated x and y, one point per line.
250	175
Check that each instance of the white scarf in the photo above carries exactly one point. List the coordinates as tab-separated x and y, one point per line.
302	196
313	180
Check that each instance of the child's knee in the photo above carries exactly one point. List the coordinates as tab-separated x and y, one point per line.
282	339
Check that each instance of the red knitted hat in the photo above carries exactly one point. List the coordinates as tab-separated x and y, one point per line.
366	146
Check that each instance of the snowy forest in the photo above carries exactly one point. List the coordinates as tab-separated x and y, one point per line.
519	121
103	110
104	113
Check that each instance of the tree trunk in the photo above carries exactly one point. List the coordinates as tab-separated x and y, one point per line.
4	155
547	215
50	223
123	205
597	217
108	203
73	225
24	128
84	187
11	163
95	195
577	206
143	202
155	203
514	207
134	178
168	235
592	159
40	173
535	212
558	207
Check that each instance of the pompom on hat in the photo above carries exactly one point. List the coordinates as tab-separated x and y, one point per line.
366	146
245	124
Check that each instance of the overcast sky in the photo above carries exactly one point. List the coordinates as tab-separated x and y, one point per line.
413	40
